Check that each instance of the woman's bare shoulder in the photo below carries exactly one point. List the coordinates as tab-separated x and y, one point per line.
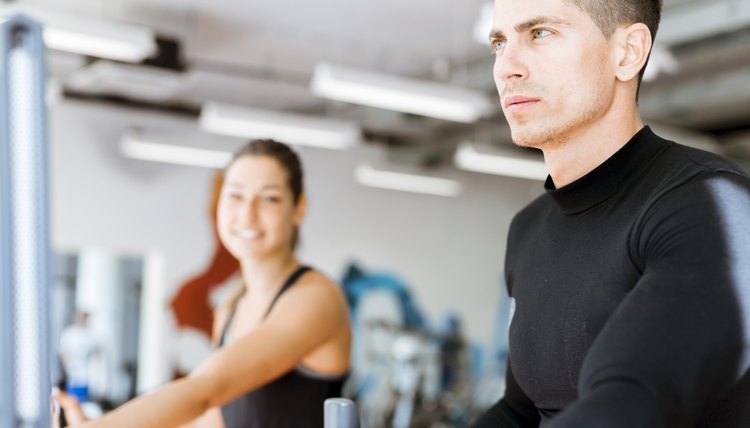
319	283
315	289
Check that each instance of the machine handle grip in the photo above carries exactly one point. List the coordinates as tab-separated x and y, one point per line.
340	413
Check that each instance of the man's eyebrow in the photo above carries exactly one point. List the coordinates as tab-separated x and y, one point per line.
533	22
540	20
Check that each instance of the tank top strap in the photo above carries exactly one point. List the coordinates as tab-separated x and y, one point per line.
287	285
228	322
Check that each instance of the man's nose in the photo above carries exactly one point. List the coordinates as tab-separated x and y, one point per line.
510	65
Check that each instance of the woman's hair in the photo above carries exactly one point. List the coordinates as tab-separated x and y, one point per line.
286	157
283	154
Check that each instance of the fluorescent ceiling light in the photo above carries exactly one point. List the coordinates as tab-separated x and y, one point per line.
368	176
398	93
106	77
91	36
132	44
137	146
483	24
468	158
247	122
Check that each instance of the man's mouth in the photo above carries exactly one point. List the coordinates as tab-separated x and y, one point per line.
516	102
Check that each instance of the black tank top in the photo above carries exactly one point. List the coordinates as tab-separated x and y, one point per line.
295	400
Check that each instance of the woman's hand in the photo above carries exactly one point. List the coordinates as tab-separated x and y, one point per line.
72	408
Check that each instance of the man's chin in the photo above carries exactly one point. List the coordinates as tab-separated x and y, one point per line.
535	137
526	138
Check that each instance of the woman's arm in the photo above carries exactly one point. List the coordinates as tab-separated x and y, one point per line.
212	418
304	318
72	408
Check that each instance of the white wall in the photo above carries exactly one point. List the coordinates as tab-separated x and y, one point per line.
101	199
449	250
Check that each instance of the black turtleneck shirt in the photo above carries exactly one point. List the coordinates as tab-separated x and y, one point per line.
632	296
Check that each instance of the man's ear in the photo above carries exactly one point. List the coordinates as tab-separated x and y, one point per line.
633	47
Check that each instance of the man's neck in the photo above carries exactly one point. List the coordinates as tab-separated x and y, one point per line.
585	149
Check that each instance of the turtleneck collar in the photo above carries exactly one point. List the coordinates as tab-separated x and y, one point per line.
605	180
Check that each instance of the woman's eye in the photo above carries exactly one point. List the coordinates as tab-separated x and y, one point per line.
272	199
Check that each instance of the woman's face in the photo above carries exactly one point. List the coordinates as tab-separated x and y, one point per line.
256	214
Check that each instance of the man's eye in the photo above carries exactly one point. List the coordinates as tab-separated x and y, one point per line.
497	45
541	33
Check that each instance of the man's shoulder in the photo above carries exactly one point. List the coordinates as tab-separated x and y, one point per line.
681	168
693	182
700	161
540	206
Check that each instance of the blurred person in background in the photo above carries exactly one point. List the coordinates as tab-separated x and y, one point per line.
283	340
78	347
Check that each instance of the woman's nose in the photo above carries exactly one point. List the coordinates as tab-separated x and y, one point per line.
249	210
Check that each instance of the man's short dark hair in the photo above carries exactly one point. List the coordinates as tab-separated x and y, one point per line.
609	15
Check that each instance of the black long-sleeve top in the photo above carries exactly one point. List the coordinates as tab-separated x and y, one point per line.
632	295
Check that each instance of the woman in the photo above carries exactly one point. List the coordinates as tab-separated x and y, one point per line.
284	339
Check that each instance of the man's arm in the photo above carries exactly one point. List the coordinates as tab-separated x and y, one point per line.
514	410
679	340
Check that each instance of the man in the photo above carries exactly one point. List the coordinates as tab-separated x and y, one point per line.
78	345
630	275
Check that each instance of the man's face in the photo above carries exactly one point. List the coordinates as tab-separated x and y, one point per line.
553	69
